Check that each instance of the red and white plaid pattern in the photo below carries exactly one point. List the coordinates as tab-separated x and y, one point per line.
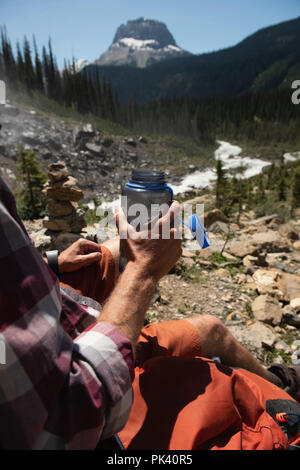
58	389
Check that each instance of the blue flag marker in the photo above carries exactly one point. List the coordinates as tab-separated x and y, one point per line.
198	231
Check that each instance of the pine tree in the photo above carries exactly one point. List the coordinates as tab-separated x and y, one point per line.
29	75
54	79
20	64
67	84
39	82
98	94
271	176
51	71
109	102
237	194
261	188
295	190
45	66
281	186
8	56
30	200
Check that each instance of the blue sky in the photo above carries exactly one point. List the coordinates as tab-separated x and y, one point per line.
85	28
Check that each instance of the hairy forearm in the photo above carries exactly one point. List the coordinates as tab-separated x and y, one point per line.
129	301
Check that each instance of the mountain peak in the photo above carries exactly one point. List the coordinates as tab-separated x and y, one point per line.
145	29
140	43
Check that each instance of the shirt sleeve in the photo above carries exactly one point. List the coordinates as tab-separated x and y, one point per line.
55	393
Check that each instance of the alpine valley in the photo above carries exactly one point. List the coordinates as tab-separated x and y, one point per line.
222	126
144	61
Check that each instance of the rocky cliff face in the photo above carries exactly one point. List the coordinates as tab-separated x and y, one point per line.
144	29
140	43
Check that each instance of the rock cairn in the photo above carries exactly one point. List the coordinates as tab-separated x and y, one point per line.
63	193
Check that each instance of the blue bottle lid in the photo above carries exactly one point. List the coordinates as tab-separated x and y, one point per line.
149	180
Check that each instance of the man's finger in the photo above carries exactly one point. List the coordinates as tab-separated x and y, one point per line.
89	246
155	215
169	220
124	228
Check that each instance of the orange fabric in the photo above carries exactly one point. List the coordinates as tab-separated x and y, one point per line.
183	401
169	338
96	280
186	403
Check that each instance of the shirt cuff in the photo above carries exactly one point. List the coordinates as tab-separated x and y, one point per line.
110	355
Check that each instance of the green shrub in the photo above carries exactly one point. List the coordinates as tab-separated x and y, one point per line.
31	203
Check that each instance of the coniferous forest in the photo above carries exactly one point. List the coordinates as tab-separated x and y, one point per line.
30	72
264	117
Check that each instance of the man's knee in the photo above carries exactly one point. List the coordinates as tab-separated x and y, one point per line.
208	323
212	333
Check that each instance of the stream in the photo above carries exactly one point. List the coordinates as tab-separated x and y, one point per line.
233	161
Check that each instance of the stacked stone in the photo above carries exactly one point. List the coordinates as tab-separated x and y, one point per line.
63	193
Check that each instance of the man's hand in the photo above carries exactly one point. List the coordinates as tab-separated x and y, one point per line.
80	254
154	256
148	260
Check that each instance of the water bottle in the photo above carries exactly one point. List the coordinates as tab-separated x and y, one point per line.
145	187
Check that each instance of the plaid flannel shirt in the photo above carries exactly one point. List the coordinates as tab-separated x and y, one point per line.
56	392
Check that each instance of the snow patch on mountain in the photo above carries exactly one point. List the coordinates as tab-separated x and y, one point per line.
138	43
173	48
